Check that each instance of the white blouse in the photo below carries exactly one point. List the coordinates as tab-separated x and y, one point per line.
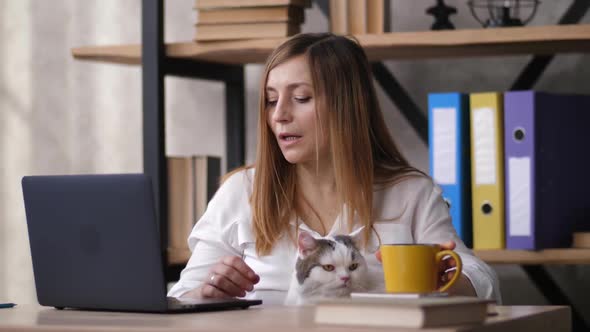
411	211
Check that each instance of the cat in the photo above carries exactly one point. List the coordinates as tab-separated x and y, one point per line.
326	268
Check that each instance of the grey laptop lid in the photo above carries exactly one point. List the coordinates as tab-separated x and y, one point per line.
95	243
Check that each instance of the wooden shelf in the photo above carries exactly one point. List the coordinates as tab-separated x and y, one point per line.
396	45
524	257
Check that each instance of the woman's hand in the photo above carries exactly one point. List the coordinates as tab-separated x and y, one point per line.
446	269
231	277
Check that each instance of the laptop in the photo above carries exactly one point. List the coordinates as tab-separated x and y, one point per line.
95	245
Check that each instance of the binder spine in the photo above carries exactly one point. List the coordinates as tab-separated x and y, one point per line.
449	156
487	149
519	142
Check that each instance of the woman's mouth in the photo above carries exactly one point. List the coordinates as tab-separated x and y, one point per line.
289	139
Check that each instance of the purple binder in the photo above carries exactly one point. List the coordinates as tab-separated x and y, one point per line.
547	168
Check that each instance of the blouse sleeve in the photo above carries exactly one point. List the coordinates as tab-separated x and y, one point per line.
215	234
433	225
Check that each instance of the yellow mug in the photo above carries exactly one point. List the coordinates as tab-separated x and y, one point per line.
413	268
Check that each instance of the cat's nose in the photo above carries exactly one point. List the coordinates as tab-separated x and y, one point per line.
345	278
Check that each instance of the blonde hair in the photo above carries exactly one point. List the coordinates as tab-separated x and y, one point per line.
363	152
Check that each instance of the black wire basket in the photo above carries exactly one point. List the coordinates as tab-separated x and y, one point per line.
503	13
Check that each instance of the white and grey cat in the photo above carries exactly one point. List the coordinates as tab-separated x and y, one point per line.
327	267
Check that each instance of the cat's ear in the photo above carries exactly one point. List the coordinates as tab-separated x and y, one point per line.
357	237
306	244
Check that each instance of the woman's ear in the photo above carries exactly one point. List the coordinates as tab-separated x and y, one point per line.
306	244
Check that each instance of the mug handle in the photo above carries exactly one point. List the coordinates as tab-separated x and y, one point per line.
439	257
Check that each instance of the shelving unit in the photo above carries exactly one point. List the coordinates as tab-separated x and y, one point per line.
223	61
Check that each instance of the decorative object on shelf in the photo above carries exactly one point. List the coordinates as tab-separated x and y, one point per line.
441	13
503	13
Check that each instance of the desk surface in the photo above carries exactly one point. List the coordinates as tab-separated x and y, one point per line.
547	256
261	319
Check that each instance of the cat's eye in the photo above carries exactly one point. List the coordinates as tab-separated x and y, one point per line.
353	267
328	267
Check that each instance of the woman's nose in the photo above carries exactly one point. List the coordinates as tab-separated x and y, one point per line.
282	112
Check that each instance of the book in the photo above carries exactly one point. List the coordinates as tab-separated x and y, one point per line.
207	32
200	4
357	17
425	312
487	169
581	240
181	213
449	156
192	182
292	14
355	295
339	17
546	171
376	16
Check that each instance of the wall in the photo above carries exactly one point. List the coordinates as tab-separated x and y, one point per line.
59	115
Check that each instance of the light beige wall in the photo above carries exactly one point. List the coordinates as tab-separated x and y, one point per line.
59	115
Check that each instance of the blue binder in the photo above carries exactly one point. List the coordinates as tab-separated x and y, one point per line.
449	155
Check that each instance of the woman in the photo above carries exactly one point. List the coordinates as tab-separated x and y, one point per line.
324	154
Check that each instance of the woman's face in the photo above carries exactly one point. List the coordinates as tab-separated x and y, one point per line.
291	112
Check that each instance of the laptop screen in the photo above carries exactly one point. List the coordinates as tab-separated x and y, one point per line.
94	242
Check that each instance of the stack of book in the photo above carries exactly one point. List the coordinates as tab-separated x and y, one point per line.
192	181
248	19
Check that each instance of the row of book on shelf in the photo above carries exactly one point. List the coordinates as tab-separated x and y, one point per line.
192	182
513	166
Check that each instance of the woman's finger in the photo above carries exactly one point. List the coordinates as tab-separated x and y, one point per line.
209	291
450	262
225	285
449	245
445	277
447	263
239	265
233	276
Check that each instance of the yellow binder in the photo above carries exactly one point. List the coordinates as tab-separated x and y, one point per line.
487	169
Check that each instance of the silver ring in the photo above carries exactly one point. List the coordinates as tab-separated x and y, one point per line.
212	279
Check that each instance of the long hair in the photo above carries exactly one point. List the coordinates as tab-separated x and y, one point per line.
363	152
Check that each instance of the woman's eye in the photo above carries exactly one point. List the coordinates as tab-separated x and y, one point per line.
353	267
271	102
328	267
302	100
